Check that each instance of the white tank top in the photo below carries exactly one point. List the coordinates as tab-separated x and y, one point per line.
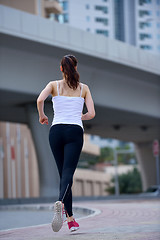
68	109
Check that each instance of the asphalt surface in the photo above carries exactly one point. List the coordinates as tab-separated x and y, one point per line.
10	219
125	219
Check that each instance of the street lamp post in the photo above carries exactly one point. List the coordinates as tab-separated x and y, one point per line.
116	174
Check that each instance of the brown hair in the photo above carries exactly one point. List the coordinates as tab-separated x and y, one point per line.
71	75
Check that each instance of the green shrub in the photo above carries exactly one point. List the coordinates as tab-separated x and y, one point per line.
129	182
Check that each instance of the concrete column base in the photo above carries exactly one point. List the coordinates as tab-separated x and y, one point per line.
49	178
147	163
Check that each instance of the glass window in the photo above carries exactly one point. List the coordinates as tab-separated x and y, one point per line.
65	6
150	13
158	25
143	25
51	16
65	15
141	2
148	47
144	36
87	18
143	13
87	6
102	20
92	137
104	9
158	2
56	17
62	18
103	32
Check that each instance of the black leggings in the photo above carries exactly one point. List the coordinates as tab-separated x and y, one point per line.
66	142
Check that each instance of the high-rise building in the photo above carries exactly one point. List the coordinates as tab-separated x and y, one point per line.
148	25
136	22
124	20
89	15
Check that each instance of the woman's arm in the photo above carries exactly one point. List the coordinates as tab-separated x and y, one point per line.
90	106
40	102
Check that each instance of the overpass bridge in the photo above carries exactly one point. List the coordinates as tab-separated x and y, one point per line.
124	82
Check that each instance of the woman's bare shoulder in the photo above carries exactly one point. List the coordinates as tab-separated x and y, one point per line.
54	86
85	89
85	86
54	82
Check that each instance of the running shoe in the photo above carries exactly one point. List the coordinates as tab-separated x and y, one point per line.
57	221
73	225
64	216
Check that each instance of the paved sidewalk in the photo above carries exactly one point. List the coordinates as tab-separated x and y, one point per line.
113	220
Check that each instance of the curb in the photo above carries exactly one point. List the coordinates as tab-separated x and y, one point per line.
45	200
91	212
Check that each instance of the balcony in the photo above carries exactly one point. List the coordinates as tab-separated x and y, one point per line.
52	7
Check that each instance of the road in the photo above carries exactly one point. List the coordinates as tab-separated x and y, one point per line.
113	220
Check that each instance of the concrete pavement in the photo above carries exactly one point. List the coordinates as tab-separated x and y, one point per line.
113	220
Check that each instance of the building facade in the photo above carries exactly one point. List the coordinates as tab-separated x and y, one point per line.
148	25
19	174
136	22
91	16
19	171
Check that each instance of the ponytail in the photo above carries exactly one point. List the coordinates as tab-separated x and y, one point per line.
71	75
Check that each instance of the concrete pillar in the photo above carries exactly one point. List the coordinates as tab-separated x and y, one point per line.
104	186
49	178
147	163
96	188
88	188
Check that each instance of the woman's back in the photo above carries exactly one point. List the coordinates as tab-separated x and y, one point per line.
64	90
68	105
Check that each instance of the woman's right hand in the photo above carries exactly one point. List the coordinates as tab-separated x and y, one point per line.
43	119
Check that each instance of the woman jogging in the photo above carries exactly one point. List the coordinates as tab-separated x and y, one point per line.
66	132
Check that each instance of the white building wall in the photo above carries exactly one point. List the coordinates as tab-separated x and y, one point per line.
84	18
153	28
82	15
